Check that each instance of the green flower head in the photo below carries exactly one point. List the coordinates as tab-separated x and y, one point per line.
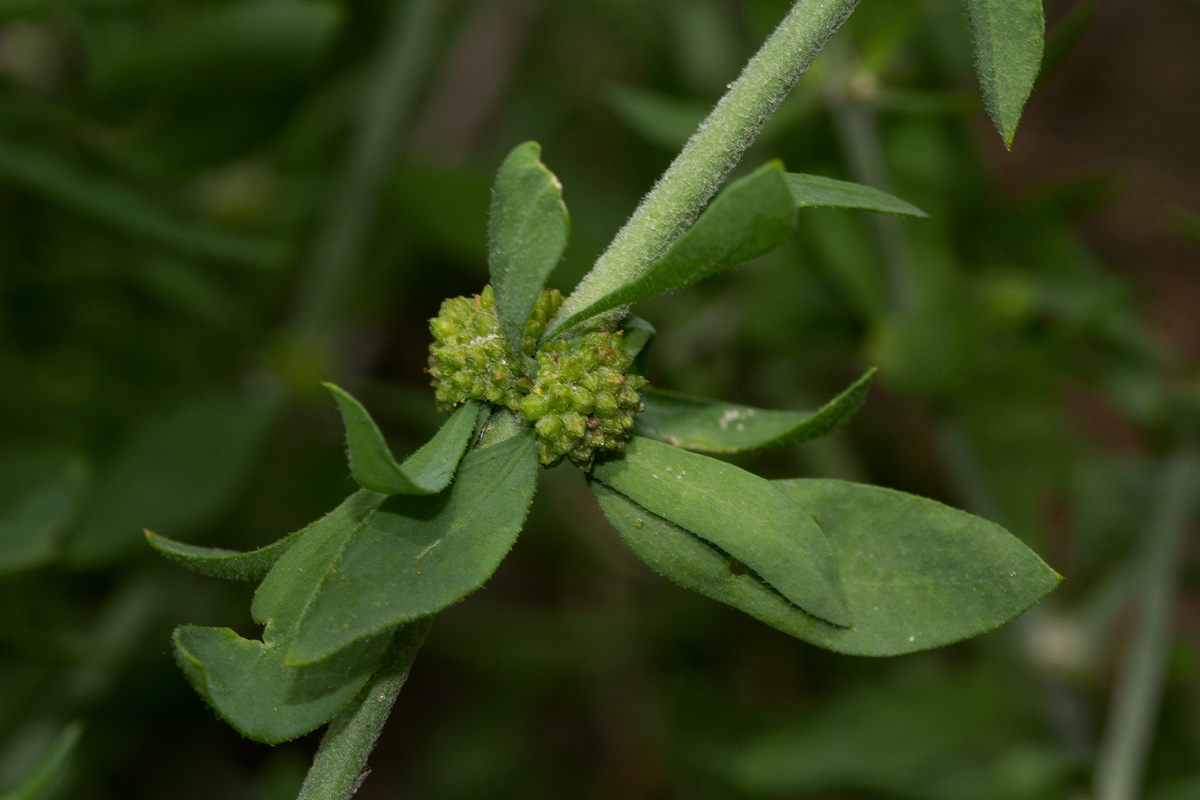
582	398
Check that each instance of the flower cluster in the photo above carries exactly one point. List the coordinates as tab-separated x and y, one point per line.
468	360
581	398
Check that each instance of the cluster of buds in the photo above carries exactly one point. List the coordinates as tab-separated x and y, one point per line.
468	359
581	399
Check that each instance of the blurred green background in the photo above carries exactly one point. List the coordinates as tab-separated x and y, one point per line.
208	206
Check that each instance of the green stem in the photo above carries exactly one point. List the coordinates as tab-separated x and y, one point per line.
697	172
340	764
1136	698
392	86
858	131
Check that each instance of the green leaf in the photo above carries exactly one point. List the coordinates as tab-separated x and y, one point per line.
816	191
1009	37
501	426
234	49
750	218
696	423
527	234
639	335
741	513
416	555
293	582
114	205
221	563
247	682
174	472
45	780
32	527
660	119
248	685
427	471
917	574
879	736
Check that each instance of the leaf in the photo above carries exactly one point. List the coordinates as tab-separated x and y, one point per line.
638	336
247	681
222	51
1009	37
878	737
660	119
527	234
293	582
816	191
741	513
751	217
416	555
112	204
247	684
32	527
917	574
174	473
427	471
500	426
45	780
709	426
221	563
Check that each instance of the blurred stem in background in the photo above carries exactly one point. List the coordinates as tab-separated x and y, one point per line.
391	87
1136	698
858	132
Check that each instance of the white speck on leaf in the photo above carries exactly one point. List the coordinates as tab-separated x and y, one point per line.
425	552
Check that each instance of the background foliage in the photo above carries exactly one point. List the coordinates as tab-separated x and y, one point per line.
208	207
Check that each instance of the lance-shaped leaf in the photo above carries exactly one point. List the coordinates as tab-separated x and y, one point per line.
46	778
918	574
1009	37
219	562
175	472
739	512
882	736
32	527
247	681
427	471
696	423
751	217
416	555
527	234
816	191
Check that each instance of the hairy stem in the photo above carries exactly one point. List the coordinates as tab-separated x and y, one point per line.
340	763
1136	698
697	172
392	85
